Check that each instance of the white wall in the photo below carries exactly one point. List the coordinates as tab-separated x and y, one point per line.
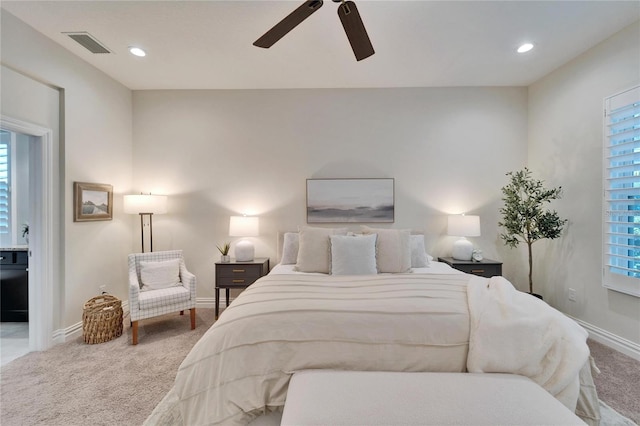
219	153
565	148
95	146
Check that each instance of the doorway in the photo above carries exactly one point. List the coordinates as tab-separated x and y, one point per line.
14	239
42	234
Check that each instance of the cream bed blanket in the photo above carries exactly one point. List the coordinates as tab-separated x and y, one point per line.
410	322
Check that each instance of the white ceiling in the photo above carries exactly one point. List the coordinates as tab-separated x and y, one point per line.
208	44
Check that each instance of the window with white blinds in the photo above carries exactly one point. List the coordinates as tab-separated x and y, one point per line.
5	176
622	192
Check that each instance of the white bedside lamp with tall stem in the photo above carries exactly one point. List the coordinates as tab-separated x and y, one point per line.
463	226
145	205
244	226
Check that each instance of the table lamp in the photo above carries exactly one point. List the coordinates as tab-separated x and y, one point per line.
145	205
244	226
463	226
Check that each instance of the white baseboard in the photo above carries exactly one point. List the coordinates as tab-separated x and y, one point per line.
206	302
67	334
614	341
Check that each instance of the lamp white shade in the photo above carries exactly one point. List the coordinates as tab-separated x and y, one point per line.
244	226
145	203
463	226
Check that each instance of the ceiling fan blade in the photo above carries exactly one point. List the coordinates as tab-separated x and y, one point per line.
356	33
288	23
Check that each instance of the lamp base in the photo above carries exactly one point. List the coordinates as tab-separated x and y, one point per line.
244	251
462	249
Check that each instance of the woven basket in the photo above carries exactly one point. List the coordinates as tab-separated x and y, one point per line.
102	319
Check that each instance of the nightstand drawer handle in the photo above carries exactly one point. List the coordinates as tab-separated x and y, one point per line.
238	270
237	281
477	271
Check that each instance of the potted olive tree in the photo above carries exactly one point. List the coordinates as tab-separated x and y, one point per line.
524	217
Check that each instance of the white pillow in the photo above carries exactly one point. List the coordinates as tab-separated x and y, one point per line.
353	255
393	249
419	257
290	246
158	275
314	249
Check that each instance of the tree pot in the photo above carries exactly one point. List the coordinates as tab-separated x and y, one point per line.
536	295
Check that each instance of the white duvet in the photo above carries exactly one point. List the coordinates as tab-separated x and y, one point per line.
408	322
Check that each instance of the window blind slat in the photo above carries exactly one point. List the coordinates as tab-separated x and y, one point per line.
621	200
5	222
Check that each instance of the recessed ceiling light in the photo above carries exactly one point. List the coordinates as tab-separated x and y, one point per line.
525	48
137	51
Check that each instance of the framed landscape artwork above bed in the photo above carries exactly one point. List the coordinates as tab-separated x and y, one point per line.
350	200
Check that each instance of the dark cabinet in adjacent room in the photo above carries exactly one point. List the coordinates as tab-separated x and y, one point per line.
14	286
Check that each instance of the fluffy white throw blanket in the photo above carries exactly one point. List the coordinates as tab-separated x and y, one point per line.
514	332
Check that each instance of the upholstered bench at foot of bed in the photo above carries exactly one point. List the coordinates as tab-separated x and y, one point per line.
327	397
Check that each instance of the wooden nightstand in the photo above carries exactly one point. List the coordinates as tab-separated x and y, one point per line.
484	268
238	275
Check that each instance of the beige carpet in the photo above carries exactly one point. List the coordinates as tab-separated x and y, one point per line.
110	383
115	383
618	383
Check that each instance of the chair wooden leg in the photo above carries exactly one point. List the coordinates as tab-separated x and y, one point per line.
193	318
134	332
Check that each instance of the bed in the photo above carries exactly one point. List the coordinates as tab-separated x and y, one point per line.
425	318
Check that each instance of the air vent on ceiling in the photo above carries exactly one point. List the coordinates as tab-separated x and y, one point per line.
88	41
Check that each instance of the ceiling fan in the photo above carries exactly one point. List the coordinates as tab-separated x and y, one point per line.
349	16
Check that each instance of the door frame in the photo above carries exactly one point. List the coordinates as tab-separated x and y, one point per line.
42	277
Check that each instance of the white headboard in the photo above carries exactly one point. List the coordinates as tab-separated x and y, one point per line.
280	243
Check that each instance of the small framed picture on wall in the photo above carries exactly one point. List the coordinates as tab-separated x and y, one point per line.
92	201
